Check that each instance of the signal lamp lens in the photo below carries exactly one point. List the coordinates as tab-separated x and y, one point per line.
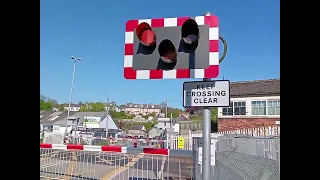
190	32
145	34
167	51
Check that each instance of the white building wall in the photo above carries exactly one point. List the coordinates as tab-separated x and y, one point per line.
249	107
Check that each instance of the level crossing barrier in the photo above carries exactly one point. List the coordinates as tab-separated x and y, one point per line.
117	142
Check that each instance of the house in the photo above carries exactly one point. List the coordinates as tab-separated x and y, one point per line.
122	108
164	123
155	132
186	125
97	120
142	109
57	121
136	131
73	107
111	106
51	120
253	104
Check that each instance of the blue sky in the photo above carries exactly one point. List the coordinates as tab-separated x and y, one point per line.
94	30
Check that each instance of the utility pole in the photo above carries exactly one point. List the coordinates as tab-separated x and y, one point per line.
71	90
166	107
107	130
171	131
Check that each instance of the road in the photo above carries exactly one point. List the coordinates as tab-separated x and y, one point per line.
100	165
156	167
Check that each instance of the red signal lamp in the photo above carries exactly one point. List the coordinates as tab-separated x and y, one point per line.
135	144
145	34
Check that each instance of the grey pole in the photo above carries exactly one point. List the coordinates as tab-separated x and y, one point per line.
71	90
171	132
107	123
206	136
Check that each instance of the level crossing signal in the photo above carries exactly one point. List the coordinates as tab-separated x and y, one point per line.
172	48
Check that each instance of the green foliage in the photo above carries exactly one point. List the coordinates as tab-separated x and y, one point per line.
175	112
116	115
93	107
120	115
196	118
148	125
153	114
61	107
214	115
46	104
103	143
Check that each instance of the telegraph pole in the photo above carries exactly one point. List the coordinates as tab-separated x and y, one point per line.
171	132
108	106
166	107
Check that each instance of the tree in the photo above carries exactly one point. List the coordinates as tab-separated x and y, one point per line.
175	112
149	125
46	106
214	115
120	115
214	120
153	114
116	115
61	107
93	107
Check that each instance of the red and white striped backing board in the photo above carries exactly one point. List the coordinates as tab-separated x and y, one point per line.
211	72
117	149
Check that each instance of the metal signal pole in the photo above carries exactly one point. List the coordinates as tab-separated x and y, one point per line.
206	137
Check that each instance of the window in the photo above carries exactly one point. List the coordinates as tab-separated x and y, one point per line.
228	111
274	107
235	108
239	108
259	108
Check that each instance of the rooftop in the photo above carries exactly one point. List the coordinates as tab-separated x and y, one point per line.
143	106
255	88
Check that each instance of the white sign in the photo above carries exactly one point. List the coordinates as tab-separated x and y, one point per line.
213	153
206	93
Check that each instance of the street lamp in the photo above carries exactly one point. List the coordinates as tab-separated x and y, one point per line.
72	82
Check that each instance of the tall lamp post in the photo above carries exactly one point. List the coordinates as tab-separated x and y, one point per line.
72	82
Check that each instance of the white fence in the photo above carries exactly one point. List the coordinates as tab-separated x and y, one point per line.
53	137
254	132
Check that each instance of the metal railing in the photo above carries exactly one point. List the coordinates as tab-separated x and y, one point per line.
240	158
59	161
233	158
